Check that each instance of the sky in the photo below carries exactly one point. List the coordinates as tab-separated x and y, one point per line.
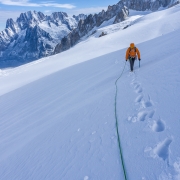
13	8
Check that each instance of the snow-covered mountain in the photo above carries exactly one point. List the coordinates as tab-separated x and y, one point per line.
57	114
153	5
118	12
34	35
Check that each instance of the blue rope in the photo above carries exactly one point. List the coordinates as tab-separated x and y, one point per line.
119	141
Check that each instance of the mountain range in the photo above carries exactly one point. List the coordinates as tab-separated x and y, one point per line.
35	35
153	5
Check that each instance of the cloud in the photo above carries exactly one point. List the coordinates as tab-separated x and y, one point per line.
30	4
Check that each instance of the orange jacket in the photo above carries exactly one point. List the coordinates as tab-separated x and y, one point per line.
132	53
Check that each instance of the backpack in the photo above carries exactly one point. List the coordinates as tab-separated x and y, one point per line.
135	52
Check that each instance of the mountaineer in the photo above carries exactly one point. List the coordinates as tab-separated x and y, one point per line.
131	55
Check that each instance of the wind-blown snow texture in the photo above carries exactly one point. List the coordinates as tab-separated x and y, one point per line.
57	114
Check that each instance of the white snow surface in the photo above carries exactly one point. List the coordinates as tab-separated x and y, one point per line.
57	118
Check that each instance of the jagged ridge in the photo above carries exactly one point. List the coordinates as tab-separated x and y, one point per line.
153	5
34	35
119	11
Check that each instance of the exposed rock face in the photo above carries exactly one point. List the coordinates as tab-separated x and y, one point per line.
30	18
119	11
35	43
153	5
34	35
80	17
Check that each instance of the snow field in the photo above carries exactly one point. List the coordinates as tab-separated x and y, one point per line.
49	124
155	111
57	114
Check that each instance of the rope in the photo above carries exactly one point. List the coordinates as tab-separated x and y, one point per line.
119	141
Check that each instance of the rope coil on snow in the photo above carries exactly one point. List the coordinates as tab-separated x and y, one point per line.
119	141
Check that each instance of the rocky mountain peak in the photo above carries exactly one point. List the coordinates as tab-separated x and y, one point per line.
153	5
118	11
59	15
30	17
10	24
34	35
80	17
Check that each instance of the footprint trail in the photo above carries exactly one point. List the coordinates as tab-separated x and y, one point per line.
145	113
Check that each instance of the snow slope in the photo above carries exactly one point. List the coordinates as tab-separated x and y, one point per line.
57	118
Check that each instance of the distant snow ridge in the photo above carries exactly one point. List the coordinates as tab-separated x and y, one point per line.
34	35
153	5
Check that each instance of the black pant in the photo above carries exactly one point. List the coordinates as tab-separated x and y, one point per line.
131	60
